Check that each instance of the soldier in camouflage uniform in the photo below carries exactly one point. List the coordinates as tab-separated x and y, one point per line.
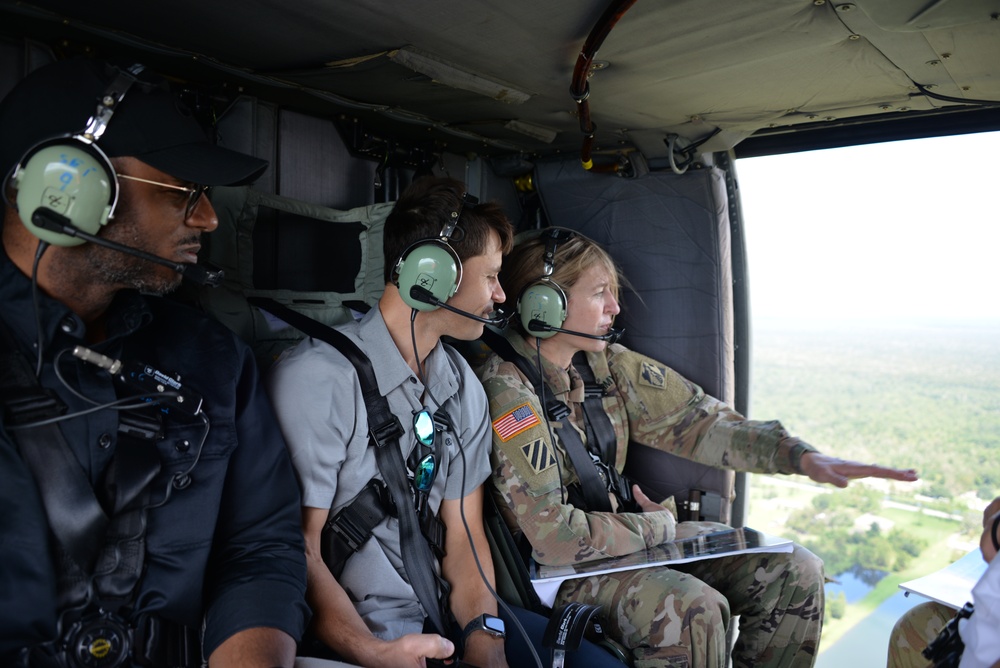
665	616
922	624
917	627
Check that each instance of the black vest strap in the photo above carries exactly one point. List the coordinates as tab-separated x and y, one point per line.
384	431
592	485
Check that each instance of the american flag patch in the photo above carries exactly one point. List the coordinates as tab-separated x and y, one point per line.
513	423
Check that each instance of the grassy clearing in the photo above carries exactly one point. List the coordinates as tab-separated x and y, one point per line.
935	557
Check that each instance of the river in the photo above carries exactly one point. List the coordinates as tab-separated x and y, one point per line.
867	644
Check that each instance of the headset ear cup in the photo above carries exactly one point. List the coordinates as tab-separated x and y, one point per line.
71	178
432	265
544	301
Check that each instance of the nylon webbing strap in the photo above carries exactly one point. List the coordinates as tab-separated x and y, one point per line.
384	431
345	533
416	552
498	343
605	442
75	516
593	487
567	628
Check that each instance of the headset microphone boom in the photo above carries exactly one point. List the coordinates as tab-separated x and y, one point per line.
49	220
611	337
424	296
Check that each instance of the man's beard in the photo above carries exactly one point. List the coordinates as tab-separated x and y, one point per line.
115	268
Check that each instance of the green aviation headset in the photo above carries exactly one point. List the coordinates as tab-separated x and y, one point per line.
71	176
542	304
430	268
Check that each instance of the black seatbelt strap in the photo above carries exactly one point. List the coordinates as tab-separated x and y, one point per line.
498	343
601	436
351	527
592	484
384	431
74	513
604	443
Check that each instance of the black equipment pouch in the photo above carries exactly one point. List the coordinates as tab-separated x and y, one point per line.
345	532
945	651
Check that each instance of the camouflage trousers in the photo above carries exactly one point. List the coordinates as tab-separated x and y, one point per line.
677	617
914	630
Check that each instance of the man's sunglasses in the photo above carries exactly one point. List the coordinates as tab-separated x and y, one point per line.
194	192
426	469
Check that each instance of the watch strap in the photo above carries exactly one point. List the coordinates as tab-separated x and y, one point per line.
479	624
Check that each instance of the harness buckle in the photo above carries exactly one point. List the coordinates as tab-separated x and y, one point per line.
386	433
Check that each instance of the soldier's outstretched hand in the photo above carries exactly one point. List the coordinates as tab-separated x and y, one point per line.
834	471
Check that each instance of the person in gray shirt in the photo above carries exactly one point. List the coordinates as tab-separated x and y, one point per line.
443	252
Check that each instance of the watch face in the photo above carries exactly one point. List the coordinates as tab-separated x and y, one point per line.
493	624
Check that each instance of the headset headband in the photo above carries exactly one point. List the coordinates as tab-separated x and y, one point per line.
553	239
107	106
452	222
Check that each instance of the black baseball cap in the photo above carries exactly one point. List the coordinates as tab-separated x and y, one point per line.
151	123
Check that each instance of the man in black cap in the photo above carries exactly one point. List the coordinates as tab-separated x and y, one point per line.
148	510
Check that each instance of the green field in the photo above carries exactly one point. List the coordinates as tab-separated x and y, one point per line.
903	394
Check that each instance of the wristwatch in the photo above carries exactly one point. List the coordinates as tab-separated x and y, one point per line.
488	623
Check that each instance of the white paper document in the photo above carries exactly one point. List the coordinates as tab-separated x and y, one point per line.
547	579
952	585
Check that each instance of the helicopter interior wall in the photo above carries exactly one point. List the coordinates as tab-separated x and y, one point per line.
670	236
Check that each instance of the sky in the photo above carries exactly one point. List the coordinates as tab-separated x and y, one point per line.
900	229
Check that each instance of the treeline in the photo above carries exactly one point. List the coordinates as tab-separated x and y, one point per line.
927	398
828	528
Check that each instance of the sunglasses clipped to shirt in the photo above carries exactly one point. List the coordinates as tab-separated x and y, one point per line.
426	468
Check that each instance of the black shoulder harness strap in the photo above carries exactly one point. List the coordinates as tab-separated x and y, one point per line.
74	513
77	519
600	431
601	435
593	487
384	431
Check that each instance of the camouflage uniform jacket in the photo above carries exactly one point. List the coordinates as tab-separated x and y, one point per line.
648	403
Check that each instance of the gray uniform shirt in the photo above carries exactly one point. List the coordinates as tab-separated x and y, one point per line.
317	398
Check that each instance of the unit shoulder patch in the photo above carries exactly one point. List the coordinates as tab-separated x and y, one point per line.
653	375
538	455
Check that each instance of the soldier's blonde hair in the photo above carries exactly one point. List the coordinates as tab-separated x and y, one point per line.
525	265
